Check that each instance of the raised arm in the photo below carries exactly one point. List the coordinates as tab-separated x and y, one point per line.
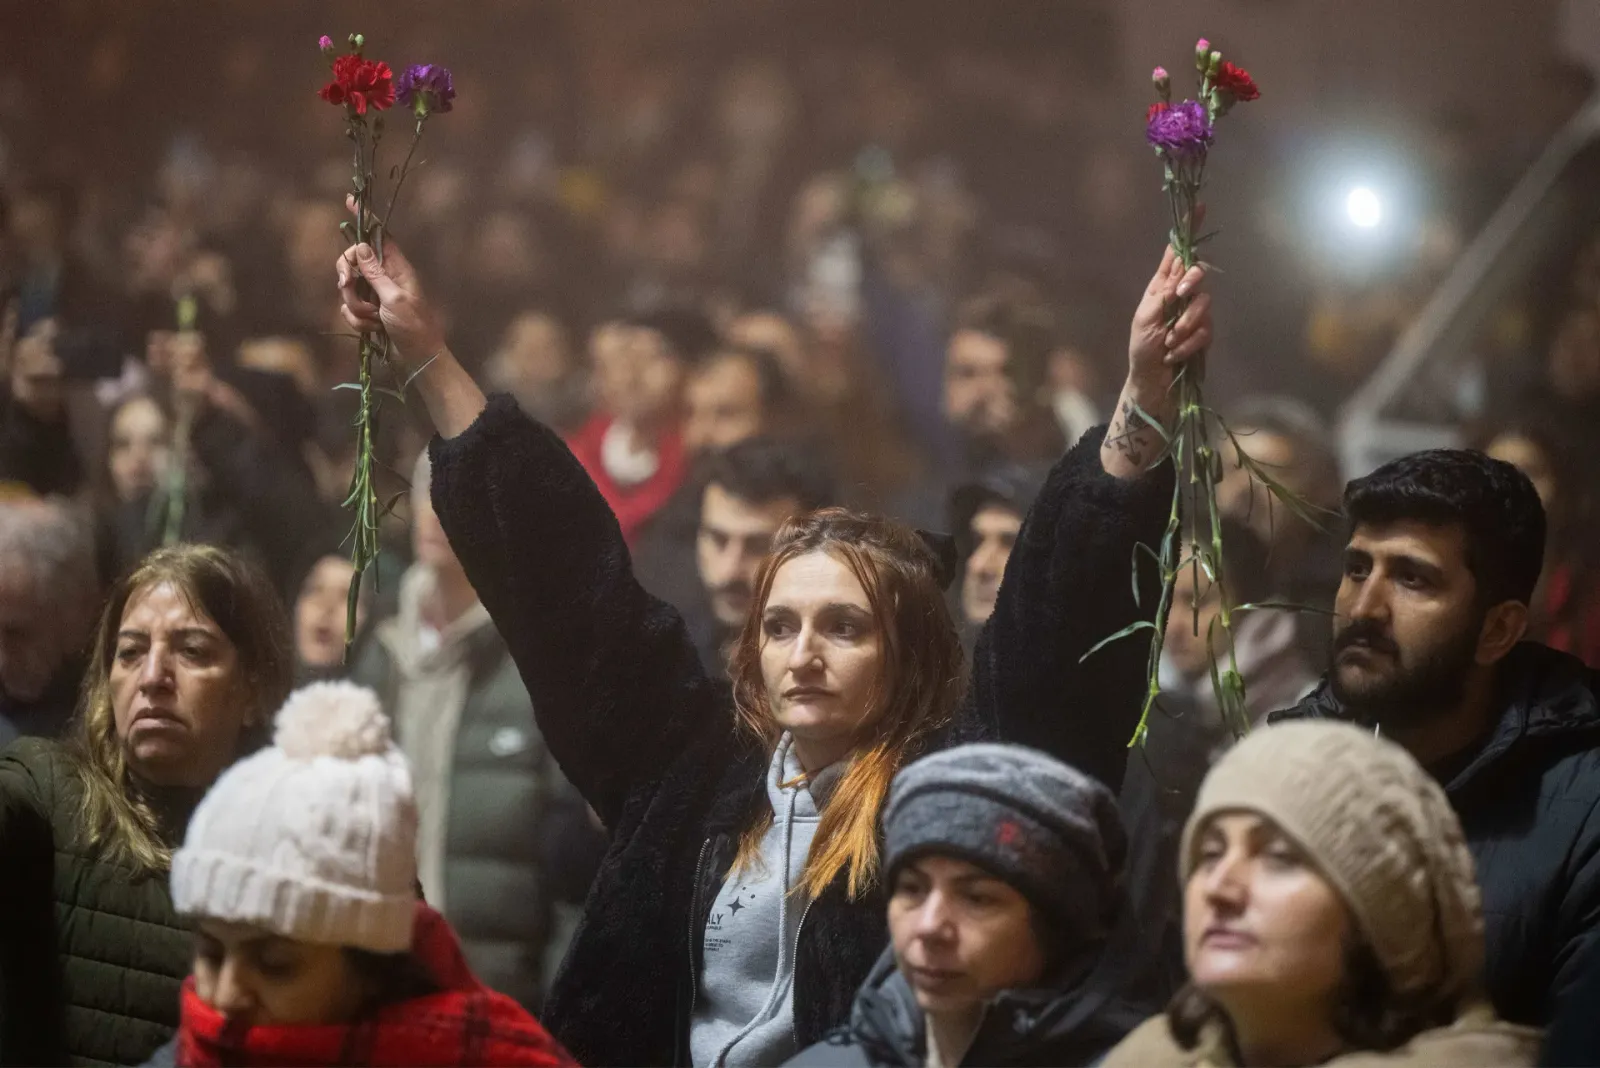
1067	584
616	683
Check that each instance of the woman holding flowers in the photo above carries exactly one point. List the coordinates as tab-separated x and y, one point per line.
740	905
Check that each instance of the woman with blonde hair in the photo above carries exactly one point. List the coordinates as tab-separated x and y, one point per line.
191	658
1331	916
741	903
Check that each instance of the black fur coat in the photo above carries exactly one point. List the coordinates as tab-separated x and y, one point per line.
648	737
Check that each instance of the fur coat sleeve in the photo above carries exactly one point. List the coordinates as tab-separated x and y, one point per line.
1067	586
617	686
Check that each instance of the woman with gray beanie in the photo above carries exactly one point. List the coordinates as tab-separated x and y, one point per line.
1004	868
1331	916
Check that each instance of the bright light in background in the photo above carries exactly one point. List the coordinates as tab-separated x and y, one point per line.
1364	207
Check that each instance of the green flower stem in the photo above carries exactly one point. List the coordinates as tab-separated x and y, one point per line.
400	179
374	353
363	496
177	495
1196	462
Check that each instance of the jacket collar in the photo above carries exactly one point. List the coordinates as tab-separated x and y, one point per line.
1076	1021
1545	695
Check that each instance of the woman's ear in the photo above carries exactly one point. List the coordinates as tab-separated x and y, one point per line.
1503	627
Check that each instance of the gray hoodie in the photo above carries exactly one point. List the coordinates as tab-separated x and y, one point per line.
744	1009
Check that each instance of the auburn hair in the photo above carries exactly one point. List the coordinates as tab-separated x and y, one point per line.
921	676
234	594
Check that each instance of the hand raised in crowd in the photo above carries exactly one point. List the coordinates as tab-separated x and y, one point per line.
397	305
400	308
1157	348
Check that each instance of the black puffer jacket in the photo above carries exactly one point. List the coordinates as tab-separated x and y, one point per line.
648	737
1074	1024
1529	804
91	954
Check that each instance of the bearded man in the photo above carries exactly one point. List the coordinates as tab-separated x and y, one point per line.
1444	550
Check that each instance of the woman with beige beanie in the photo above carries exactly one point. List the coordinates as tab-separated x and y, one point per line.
1331	916
311	948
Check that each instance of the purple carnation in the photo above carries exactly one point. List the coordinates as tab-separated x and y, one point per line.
425	87
1183	129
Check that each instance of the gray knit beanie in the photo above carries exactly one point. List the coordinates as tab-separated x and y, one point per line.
1046	829
1379	829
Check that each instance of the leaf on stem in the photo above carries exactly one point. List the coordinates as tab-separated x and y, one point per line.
1151	422
394	499
414	375
1128	631
352	602
1231	702
1139	547
1283	606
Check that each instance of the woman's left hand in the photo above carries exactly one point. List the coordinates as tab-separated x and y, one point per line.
1157	346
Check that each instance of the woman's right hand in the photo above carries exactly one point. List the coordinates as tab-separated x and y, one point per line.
402	310
414	325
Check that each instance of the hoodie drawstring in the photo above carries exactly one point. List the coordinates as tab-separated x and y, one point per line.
774	995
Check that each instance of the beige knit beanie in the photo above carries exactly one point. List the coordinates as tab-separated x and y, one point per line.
314	837
1380	830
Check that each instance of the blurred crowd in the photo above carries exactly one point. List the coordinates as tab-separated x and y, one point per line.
738	291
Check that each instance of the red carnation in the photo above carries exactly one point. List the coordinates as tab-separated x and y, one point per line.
1155	109
359	83
1236	82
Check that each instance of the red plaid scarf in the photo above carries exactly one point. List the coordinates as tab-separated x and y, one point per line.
465	1023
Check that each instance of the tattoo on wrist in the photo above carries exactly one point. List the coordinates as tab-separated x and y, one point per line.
1131	434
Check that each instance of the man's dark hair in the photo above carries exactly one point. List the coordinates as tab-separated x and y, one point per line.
687	331
1493	502
777	396
1027	330
1012	486
761	470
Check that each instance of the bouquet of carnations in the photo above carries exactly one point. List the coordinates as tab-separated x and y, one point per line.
364	88
1181	134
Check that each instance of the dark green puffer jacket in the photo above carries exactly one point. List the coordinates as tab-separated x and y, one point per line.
91	954
500	831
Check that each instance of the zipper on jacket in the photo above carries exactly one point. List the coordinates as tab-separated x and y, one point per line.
794	974
694	916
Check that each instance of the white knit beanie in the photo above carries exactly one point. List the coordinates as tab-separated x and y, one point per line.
315	837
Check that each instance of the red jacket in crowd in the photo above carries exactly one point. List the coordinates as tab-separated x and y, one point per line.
631	504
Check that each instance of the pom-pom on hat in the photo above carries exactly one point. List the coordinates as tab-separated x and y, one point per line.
313	838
